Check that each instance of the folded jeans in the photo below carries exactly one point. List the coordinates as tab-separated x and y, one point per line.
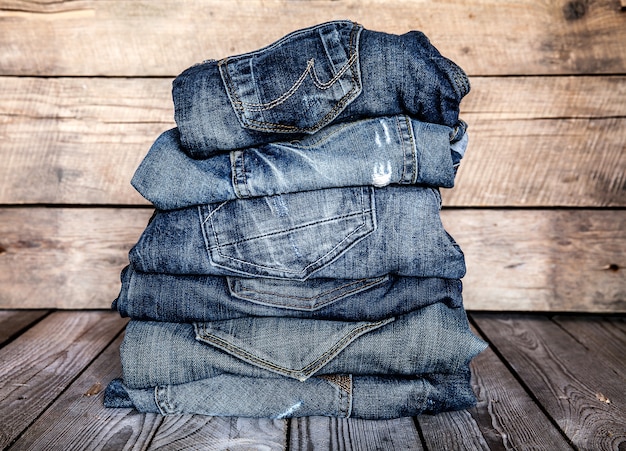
343	233
332	72
344	396
432	339
189	298
376	152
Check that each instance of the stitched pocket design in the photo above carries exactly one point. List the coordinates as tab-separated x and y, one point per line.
286	236
279	344
298	84
310	295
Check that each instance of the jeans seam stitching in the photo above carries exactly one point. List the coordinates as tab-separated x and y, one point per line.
356	289
253	124
307	370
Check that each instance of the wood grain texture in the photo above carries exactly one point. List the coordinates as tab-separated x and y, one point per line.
65	257
452	430
559	260
505	416
505	413
78	140
486	37
220	433
568	162
570	382
543	260
78	420
36	367
12	322
605	337
534	141
323	433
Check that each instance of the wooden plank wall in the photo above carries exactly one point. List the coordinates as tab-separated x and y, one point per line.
539	203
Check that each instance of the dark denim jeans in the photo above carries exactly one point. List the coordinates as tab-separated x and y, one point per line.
188	298
343	396
433	339
343	233
376	152
332	72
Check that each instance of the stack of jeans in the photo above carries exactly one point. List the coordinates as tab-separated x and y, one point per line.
296	263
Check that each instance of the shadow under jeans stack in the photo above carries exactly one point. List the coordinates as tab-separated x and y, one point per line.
296	263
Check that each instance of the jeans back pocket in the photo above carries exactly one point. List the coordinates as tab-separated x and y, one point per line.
286	236
298	84
296	348
308	296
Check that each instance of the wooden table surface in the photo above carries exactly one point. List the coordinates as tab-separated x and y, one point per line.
547	381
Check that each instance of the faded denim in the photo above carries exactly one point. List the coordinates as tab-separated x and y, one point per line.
343	233
332	72
341	396
432	339
189	298
377	152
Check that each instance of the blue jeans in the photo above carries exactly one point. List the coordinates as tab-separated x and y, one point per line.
343	396
433	339
332	72
342	233
377	152
188	298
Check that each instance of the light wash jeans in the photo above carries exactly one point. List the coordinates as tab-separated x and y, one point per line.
332	72
343	396
375	152
433	339
343	233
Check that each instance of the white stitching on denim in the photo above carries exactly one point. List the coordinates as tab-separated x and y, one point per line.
214	211
364	223
358	285
310	69
413	150
282	128
303	373
218	247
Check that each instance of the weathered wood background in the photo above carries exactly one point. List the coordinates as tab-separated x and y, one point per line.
539	207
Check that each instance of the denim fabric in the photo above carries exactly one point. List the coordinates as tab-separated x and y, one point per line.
378	152
333	395
333	72
344	233
188	298
433	339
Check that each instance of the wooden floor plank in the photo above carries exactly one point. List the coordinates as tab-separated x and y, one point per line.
341	434
220	433
505	413
505	416
452	430
38	365
78	419
14	321
574	387
603	336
